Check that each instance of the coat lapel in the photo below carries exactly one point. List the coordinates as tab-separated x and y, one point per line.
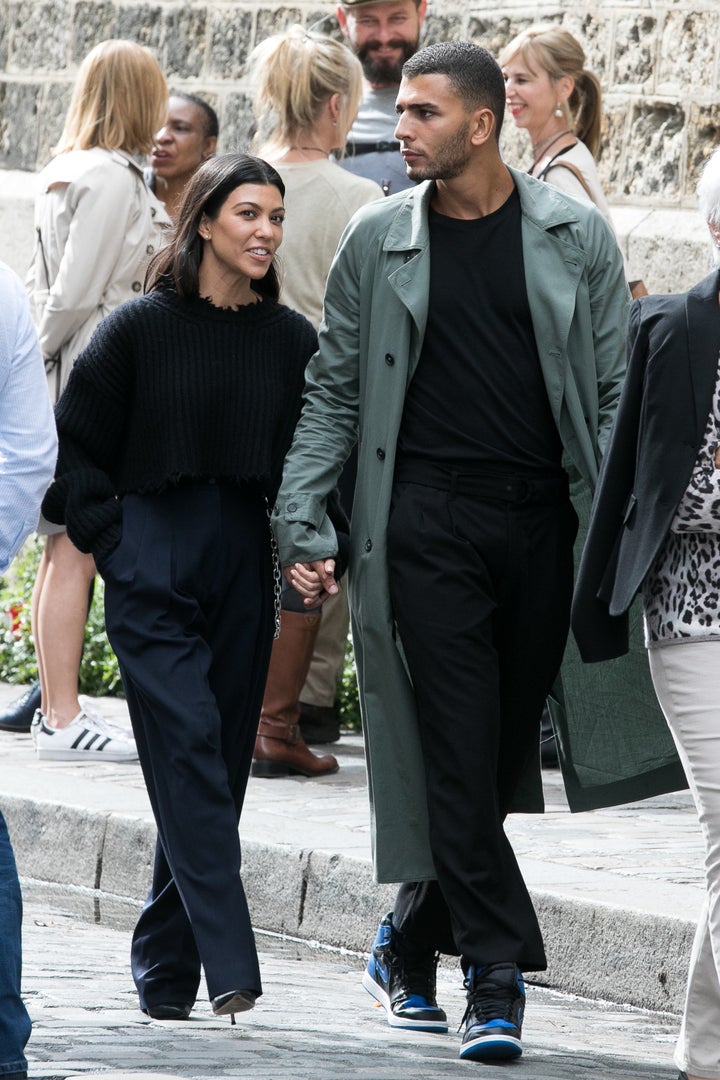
552	273
702	323
409	236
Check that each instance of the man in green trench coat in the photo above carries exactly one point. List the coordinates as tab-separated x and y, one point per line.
473	346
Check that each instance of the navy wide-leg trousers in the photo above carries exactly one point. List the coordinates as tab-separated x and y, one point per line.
189	614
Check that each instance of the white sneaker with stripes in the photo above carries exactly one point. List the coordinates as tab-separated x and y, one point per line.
86	738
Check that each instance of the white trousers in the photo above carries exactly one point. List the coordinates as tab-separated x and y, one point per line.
686	678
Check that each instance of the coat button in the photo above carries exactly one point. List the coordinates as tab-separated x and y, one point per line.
389	359
380	453
292	507
136	286
150	248
368	545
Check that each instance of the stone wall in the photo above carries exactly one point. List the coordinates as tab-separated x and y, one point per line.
658	61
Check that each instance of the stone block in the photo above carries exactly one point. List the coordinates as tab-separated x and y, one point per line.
19	125
598	951
55	843
183	41
670	250
273	20
16	220
343	903
4	34
127	857
494	32
142	24
230	33
324	22
441	26
655	151
635	50
515	144
688	51
613	143
53	105
39	35
237	123
92	22
274	880
703	136
593	29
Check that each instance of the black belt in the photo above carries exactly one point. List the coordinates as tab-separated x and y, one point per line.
506	487
356	149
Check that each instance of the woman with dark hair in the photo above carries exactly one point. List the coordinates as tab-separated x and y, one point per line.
173	429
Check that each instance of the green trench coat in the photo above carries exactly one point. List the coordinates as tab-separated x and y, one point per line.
370	340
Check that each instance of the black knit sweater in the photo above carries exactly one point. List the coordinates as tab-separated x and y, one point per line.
170	388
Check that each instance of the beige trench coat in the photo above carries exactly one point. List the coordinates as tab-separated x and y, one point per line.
97	224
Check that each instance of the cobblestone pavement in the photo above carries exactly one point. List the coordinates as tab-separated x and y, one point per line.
314	1022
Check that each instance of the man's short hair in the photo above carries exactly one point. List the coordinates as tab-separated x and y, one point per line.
473	72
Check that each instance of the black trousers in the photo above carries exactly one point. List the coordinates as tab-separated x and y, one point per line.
480	580
188	605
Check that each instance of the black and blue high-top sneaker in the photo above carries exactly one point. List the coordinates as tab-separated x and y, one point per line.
494	1015
402	979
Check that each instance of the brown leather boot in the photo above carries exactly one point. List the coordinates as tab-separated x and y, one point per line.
279	747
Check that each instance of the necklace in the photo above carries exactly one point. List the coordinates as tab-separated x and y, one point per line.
313	149
542	147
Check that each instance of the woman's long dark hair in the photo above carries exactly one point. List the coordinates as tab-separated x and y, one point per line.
178	264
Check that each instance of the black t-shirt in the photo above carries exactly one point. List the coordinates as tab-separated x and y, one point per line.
478	398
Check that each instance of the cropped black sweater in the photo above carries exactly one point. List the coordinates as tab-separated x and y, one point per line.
170	388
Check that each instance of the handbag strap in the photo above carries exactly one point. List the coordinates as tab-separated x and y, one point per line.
555	164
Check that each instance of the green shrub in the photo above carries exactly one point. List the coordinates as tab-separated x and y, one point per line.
347	700
99	673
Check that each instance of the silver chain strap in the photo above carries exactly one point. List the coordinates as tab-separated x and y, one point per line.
277	572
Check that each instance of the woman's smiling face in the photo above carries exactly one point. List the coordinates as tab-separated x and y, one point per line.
531	95
242	240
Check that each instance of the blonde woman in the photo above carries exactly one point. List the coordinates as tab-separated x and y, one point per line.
307	92
97	225
558	102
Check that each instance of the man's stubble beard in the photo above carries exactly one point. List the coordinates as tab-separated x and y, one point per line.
385	72
450	158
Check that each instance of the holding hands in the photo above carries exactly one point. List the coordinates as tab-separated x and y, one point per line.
315	581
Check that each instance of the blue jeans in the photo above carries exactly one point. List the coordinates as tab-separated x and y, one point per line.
14	1020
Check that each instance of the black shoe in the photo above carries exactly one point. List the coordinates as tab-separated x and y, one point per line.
234	1001
494	1015
169	1012
403	983
319	723
18	716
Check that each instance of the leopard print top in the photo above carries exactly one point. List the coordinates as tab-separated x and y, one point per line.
681	593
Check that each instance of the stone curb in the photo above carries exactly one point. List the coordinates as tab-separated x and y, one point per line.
99	865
